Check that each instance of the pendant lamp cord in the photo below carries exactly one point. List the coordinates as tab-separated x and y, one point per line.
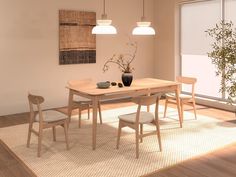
143	8
104	6
104	15
143	17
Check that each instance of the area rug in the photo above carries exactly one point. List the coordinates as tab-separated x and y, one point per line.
197	137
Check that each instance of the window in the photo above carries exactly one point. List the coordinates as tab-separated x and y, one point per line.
196	18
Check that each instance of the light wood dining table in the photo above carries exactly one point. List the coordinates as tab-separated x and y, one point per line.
144	86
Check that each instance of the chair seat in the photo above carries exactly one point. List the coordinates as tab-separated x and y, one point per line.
51	116
181	96
82	100
145	117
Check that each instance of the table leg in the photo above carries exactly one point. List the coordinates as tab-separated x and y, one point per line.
94	129
70	104
178	106
148	107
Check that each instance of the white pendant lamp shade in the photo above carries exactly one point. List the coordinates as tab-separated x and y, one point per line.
143	27
104	25
101	29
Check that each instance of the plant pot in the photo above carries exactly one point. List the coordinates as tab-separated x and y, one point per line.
127	79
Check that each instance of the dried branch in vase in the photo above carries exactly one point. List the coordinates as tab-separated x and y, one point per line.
123	60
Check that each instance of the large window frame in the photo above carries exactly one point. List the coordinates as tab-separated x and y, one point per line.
222	17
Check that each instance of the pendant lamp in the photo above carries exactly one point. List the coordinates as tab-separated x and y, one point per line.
104	25
143	27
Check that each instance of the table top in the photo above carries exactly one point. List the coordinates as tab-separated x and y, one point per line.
138	84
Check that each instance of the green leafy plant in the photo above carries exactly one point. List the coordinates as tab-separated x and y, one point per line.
223	55
123	60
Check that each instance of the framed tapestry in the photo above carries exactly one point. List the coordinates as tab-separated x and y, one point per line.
77	44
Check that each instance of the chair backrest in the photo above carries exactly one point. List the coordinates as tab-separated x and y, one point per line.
188	81
79	82
35	101
146	101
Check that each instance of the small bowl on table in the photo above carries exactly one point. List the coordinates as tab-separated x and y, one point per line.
103	85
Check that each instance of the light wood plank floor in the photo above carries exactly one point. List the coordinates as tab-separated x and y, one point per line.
221	163
11	165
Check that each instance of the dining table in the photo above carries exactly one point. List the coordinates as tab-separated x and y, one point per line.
142	86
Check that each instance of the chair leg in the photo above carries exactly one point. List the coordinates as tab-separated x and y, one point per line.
182	110
79	118
88	112
66	134
156	121
29	133
100	113
118	135
148	108
54	133
137	142
194	109
166	103
40	141
141	133
158	134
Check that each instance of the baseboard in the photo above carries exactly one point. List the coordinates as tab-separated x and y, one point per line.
216	104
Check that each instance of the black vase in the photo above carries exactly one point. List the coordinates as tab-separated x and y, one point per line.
127	79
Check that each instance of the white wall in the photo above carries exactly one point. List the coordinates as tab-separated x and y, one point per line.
29	49
167	42
165	39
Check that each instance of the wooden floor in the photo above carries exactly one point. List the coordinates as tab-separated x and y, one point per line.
221	163
11	165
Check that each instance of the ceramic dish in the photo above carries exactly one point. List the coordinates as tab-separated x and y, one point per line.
103	85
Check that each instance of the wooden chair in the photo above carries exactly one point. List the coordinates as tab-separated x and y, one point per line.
46	119
138	119
184	99
82	103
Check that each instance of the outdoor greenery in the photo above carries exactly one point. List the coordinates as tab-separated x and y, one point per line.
223	55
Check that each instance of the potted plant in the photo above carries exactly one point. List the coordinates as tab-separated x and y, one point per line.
223	55
124	63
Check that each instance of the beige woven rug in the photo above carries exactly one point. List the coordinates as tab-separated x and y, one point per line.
197	137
